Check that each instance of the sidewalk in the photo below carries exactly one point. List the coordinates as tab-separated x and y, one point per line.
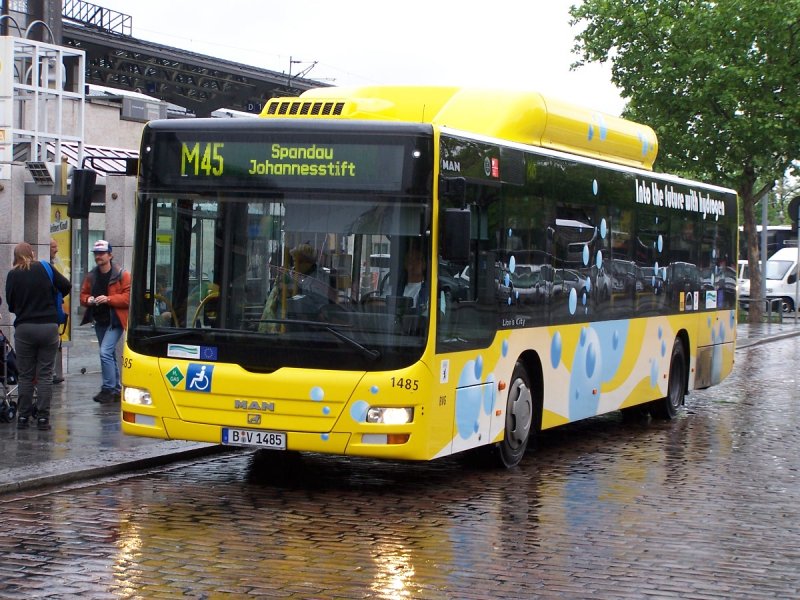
750	335
86	440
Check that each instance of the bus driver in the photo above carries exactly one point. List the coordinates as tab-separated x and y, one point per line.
305	279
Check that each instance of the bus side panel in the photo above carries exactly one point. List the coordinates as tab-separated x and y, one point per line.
715	348
587	369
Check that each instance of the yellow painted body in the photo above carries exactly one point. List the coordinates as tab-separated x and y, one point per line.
459	399
523	117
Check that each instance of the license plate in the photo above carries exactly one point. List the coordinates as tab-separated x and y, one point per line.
253	437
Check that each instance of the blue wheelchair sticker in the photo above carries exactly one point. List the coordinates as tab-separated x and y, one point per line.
198	377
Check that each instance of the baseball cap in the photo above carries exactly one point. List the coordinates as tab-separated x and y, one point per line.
101	246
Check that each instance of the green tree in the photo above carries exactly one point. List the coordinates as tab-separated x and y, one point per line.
719	81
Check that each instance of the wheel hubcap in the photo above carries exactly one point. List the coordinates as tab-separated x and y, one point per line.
519	414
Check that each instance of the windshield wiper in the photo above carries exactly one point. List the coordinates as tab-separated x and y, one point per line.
173	335
334	331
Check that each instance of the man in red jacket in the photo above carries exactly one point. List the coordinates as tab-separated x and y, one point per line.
106	294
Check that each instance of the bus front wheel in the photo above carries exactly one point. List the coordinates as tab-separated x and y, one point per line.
668	407
519	418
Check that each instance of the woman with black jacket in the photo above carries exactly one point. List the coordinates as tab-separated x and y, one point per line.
30	296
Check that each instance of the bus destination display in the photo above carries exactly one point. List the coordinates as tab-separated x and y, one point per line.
281	164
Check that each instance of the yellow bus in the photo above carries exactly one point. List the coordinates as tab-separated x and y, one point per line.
534	271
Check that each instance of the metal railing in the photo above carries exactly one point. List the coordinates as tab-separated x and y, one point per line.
97	17
774	305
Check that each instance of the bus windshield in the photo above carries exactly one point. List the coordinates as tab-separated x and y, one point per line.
268	278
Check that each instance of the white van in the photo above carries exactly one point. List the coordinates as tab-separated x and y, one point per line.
781	277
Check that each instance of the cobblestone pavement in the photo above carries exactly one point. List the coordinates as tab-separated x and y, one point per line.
706	506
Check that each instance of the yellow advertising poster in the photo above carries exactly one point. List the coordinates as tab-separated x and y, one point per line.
61	234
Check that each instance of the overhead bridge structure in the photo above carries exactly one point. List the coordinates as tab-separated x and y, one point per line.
196	82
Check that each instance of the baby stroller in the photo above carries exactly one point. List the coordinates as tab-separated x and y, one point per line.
8	380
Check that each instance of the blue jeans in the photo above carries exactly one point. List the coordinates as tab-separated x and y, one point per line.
109	338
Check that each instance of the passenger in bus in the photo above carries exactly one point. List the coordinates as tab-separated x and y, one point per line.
415	278
305	280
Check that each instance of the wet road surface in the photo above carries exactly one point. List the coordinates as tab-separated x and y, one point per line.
706	506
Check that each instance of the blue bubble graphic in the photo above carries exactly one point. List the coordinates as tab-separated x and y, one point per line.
599	260
588	285
555	350
663	348
660	332
573	301
583	298
591	132
611	337
317	394
326	410
325	437
512	264
594	188
653	373
373	389
660	244
509	232
468	407
478	367
506	279
585	254
358	412
586	380
504	348
603	229
582	338
591	360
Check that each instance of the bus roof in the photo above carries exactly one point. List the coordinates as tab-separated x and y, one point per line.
517	116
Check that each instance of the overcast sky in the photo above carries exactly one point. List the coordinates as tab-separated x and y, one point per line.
519	44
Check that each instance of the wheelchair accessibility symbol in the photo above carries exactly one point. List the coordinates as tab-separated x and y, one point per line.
198	377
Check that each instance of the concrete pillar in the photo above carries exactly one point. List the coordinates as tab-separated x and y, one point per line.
12	226
120	217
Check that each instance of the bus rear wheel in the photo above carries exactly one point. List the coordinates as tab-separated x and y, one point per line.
668	407
519	418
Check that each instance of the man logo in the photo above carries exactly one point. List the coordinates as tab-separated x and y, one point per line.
253	419
254	405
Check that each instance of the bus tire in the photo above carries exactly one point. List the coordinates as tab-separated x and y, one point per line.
667	408
520	409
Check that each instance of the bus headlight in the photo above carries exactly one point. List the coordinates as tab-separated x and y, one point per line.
390	415
138	396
